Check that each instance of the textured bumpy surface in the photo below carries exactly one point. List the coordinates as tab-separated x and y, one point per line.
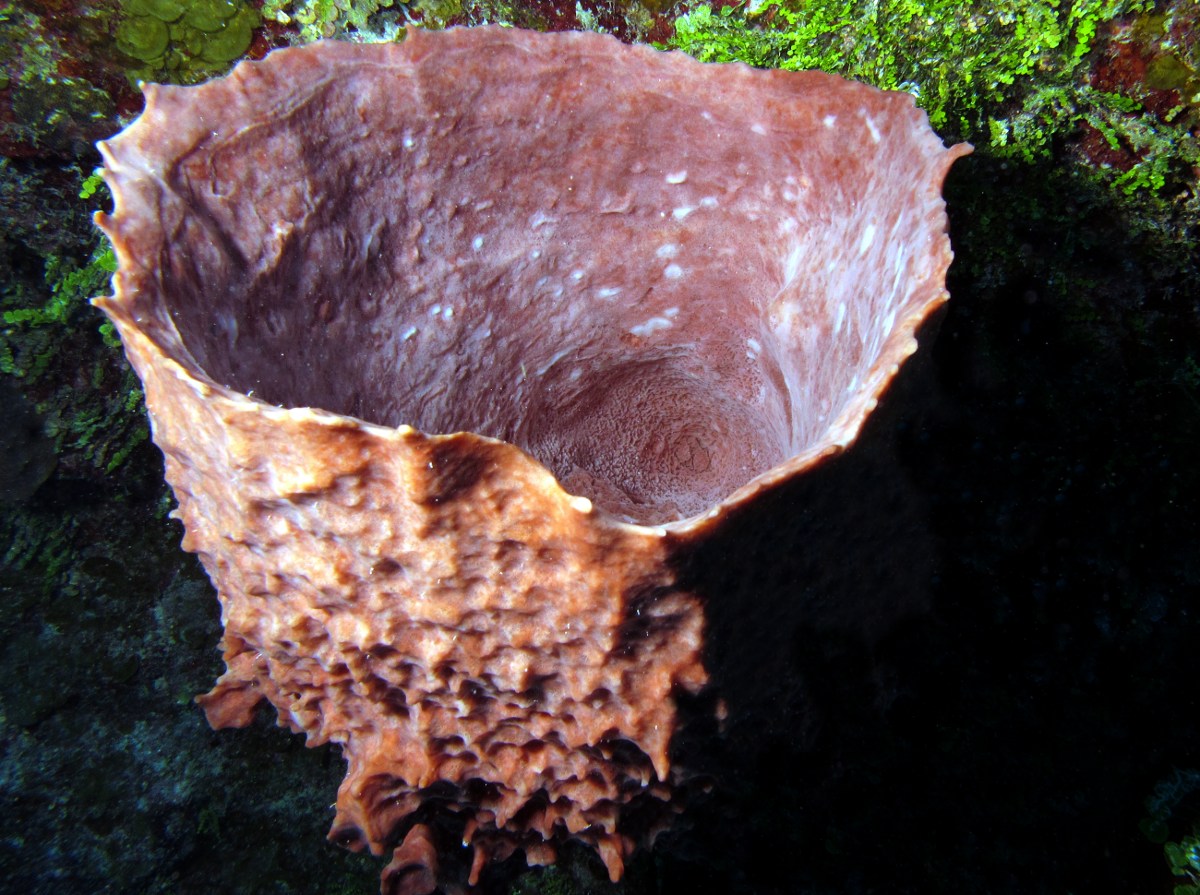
450	344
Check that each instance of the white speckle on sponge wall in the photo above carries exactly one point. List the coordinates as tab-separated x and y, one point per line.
652	325
870	123
868	237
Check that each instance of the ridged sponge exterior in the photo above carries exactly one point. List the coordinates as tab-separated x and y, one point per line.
452	345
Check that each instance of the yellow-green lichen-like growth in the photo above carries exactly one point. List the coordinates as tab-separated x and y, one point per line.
317	19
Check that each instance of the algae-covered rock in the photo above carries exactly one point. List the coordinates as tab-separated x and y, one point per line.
184	41
163	10
142	37
232	40
210	15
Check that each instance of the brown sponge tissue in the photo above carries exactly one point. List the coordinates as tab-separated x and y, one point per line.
450	345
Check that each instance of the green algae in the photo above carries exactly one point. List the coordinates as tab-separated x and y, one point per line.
231	40
184	41
143	37
52	112
210	15
1171	73
163	10
954	59
102	423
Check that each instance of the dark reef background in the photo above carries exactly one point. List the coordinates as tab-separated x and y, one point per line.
965	656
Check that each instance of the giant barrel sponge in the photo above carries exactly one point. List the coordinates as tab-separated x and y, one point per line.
452	345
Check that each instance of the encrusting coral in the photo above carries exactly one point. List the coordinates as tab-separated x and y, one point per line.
449	345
